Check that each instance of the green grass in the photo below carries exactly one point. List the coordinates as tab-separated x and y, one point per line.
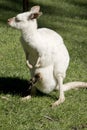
69	19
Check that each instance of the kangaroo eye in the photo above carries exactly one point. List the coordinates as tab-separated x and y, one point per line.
17	20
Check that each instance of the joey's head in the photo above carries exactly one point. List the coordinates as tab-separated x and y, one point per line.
26	19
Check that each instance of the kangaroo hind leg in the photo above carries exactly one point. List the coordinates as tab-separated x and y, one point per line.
61	99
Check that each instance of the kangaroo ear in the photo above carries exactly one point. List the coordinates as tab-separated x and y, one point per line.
35	9
35	15
35	12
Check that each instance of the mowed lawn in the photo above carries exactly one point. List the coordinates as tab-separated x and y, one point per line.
69	19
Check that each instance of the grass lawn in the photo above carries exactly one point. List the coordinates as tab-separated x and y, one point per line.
69	19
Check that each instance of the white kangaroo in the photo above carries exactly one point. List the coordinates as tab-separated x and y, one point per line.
45	53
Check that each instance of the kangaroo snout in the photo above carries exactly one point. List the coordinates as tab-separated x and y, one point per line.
10	20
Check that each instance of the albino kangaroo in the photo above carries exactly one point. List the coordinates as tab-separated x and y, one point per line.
45	52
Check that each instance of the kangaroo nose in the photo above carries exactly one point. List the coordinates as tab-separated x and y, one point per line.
9	20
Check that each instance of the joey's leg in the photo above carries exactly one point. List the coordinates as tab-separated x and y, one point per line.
61	92
38	63
33	91
32	94
27	62
32	87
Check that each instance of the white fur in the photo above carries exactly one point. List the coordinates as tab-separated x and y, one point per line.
44	49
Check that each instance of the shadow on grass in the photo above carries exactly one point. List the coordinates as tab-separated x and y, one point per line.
14	86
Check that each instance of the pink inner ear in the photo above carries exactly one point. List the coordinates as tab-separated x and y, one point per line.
35	9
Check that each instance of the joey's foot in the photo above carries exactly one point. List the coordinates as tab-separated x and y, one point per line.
58	102
26	98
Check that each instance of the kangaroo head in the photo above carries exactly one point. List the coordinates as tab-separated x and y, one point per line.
26	19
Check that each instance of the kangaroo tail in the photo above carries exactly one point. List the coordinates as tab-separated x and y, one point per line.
73	85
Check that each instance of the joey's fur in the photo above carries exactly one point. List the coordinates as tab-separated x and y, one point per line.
45	53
